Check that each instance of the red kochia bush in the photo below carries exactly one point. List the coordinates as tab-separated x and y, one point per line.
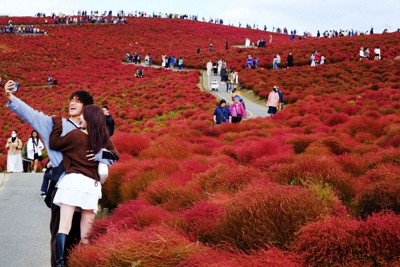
247	152
132	215
337	118
344	241
153	246
200	220
384	195
317	168
268	214
227	178
222	257
130	143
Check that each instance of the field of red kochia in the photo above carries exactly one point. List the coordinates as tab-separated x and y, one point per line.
317	184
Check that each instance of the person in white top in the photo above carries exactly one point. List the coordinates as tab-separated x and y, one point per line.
209	67
377	52
34	149
362	55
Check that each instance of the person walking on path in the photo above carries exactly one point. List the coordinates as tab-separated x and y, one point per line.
80	187
34	149
237	110
209	67
26	162
222	113
272	102
14	159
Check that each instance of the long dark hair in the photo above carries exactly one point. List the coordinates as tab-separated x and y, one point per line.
35	140
96	127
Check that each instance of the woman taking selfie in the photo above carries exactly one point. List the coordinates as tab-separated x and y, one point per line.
80	187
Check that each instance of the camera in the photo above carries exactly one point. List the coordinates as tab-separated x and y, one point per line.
16	86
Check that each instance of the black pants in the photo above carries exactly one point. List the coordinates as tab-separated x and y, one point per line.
236	119
26	164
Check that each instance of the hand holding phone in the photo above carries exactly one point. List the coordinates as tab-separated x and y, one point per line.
15	88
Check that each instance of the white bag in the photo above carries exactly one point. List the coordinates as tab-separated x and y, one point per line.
103	172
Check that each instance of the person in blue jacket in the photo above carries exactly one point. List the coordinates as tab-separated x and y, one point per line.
222	113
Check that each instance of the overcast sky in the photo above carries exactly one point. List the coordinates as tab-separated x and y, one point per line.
302	15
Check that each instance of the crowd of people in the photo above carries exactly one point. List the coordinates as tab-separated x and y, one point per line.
24	157
20	29
365	54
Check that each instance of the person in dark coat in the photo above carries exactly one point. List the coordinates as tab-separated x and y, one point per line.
109	120
290	60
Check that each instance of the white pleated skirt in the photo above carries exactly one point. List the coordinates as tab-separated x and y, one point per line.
78	190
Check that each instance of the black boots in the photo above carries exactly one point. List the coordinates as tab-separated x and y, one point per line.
60	241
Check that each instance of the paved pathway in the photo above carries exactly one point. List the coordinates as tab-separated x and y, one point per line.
253	109
24	221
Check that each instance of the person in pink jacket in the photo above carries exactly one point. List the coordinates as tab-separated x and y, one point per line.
237	110
272	102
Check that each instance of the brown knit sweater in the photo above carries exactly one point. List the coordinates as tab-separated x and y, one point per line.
74	146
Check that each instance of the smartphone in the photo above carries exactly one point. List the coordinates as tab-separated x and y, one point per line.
16	86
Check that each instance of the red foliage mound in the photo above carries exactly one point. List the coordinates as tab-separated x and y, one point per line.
130	143
200	221
347	242
227	178
316	168
223	257
154	246
379	190
132	215
268	214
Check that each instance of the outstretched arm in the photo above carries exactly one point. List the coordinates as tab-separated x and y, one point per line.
38	120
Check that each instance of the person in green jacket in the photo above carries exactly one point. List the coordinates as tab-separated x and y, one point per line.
26	162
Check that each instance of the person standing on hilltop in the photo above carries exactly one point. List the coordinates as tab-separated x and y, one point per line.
377	52
211	47
109	121
249	61
278	58
312	59
361	53
290	60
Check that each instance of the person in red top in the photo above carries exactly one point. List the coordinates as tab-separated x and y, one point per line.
317	56
80	187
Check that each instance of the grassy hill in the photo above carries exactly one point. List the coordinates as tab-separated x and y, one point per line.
316	184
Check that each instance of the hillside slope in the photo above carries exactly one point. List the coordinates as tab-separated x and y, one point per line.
266	192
